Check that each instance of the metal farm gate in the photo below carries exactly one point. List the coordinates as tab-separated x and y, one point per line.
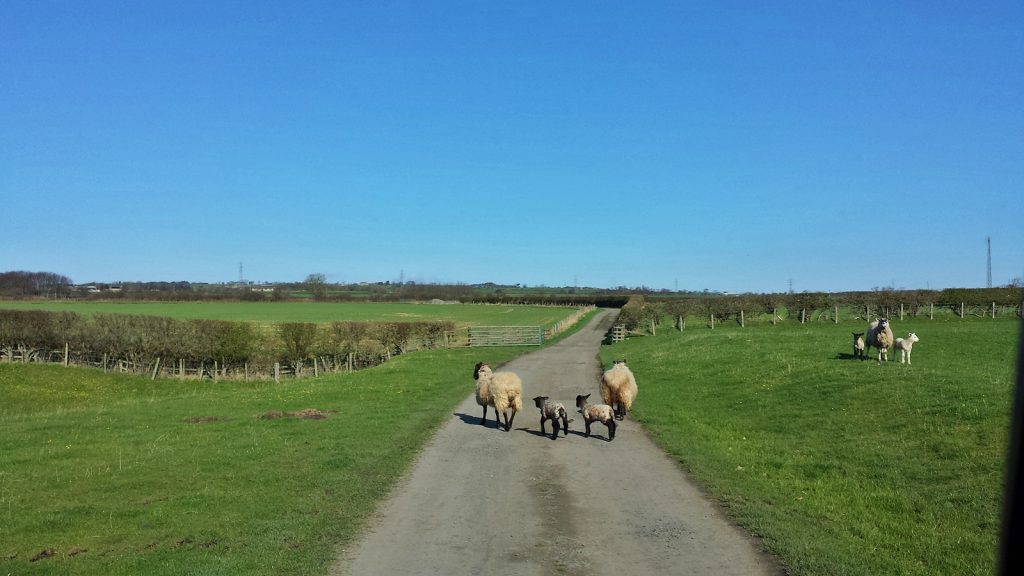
506	336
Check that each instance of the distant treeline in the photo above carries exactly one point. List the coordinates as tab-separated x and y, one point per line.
142	340
641	310
50	285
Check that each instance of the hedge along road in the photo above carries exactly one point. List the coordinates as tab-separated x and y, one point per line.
479	500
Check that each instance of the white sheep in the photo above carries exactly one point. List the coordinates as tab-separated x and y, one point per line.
505	391
483	394
905	345
858	345
880	336
618	388
596	412
552	411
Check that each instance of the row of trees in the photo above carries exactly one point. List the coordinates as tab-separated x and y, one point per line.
22	284
142	340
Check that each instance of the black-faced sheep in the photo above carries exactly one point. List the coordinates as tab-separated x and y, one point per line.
505	390
880	336
596	412
858	345
618	388
552	411
905	345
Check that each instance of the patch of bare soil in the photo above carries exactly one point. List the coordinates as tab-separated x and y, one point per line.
43	554
307	414
76	551
205	419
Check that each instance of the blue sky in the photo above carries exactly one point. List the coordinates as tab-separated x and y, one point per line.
694	145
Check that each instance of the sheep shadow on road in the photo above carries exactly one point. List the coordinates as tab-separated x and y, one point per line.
579	433
474	420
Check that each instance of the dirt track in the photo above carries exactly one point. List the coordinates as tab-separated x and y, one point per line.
484	501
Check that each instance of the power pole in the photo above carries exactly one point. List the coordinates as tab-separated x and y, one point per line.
988	284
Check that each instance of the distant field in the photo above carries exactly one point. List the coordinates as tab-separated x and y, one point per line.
462	314
841	466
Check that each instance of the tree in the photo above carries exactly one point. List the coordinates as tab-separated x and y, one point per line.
316	284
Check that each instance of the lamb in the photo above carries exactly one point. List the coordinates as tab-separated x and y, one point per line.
618	388
858	345
600	412
552	411
505	390
880	336
905	345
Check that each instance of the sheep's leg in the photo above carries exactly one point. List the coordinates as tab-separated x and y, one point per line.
508	425
544	419
483	420
588	428
908	357
504	415
554	428
565	424
611	430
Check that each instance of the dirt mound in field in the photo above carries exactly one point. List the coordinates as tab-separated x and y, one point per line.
307	414
205	419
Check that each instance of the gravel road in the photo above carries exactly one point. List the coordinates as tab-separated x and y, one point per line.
479	500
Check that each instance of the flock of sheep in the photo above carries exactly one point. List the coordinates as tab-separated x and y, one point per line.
879	336
504	391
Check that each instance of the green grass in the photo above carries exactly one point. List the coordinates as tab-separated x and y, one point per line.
462	314
841	466
112	466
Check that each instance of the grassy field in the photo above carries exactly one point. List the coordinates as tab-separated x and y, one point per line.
462	314
123	475
112	474
843	467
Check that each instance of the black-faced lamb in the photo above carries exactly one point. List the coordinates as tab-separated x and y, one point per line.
505	391
858	345
618	388
552	411
880	336
905	345
596	412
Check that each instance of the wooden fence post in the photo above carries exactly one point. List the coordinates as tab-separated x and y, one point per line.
774	315
181	368
712	321
104	363
156	367
742	324
901	311
931	311
993	310
65	354
961	310
277	372
316	369
835	318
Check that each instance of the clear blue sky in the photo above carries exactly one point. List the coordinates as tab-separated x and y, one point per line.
723	145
